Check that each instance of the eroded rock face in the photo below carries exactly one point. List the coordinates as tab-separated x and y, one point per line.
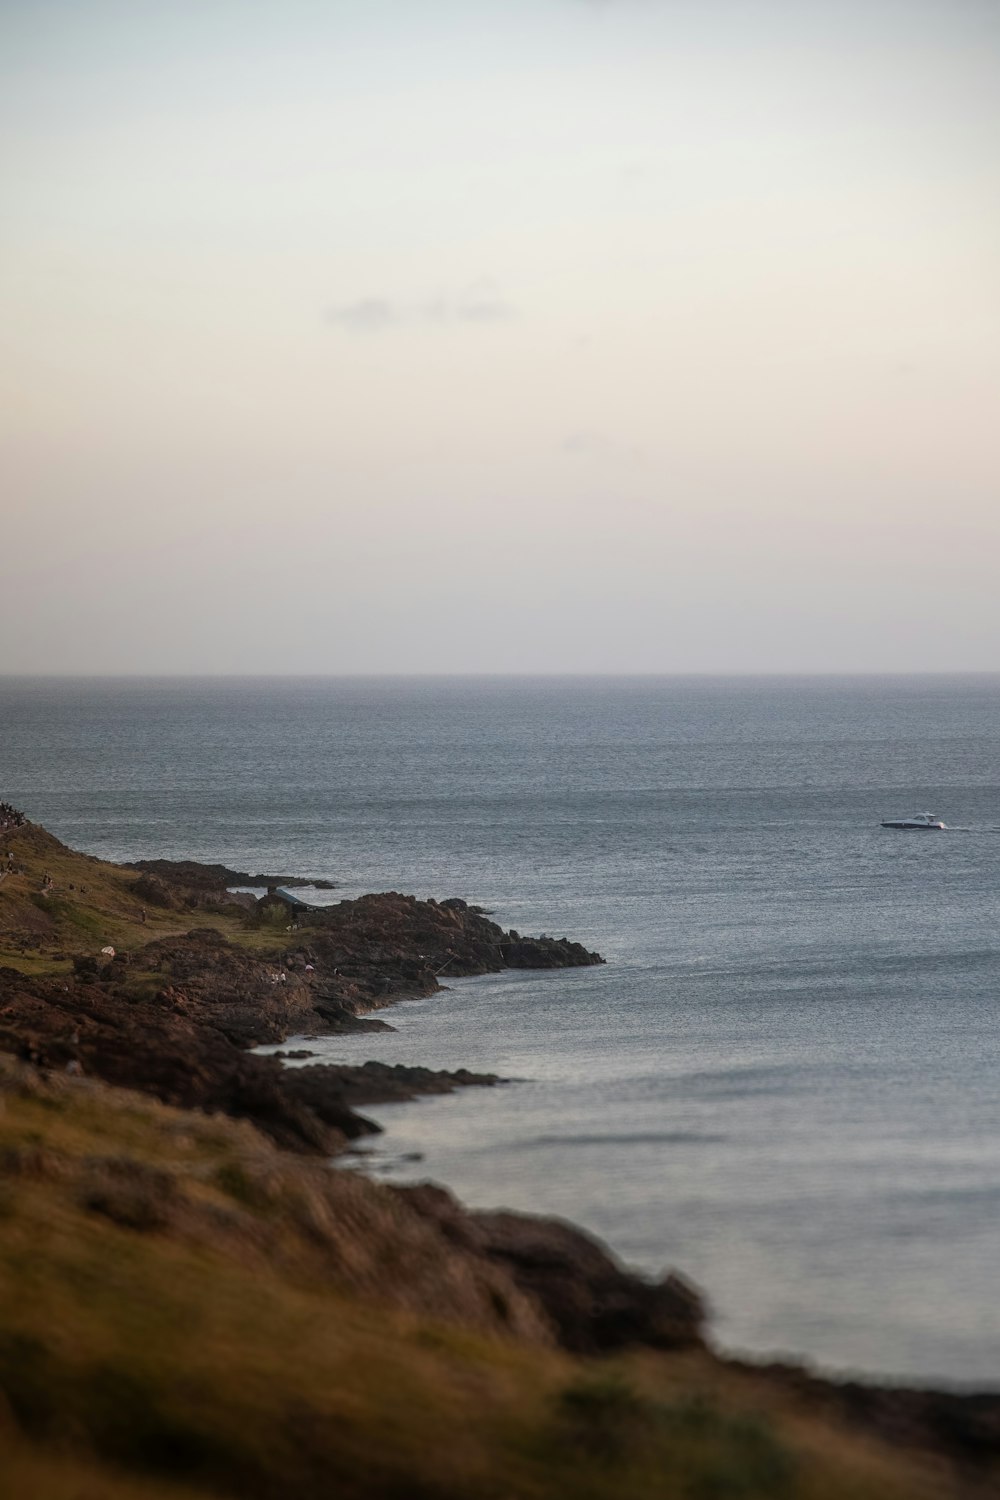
156	1046
191	874
592	1302
176	1016
166	1047
380	947
374	1083
544	953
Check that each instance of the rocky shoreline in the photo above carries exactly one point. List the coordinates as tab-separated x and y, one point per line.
104	986
175	1016
194	874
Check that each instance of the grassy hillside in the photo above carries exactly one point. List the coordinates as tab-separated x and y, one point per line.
55	902
189	1311
175	1323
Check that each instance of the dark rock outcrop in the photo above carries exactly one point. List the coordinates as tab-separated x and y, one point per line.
543	953
155	1046
164	1047
373	1083
592	1302
175	1017
193	874
377	948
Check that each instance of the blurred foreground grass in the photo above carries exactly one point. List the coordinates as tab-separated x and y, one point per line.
168	1330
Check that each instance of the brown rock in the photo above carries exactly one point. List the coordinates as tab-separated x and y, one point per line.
593	1303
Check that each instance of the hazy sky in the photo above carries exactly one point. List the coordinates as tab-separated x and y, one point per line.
500	335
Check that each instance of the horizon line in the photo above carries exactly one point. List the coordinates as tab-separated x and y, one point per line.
478	676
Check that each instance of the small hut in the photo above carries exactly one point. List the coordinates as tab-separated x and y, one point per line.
295	904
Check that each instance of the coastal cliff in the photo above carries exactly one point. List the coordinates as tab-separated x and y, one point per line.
192	1304
101	974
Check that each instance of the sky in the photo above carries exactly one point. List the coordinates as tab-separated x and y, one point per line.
499	336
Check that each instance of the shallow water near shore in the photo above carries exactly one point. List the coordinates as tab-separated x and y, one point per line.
785	1080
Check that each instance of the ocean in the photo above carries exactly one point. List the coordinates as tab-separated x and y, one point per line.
785	1080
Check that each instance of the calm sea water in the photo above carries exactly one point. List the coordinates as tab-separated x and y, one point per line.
785	1081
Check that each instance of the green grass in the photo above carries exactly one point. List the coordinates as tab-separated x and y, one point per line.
90	904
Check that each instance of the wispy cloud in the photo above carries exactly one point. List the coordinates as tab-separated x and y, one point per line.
367	315
586	443
482	302
479	302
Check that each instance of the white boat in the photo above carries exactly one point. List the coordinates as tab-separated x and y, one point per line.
919	820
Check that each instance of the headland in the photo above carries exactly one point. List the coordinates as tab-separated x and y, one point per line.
194	1304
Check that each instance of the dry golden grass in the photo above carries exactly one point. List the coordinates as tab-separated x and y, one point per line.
170	1331
142	1362
30	1473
